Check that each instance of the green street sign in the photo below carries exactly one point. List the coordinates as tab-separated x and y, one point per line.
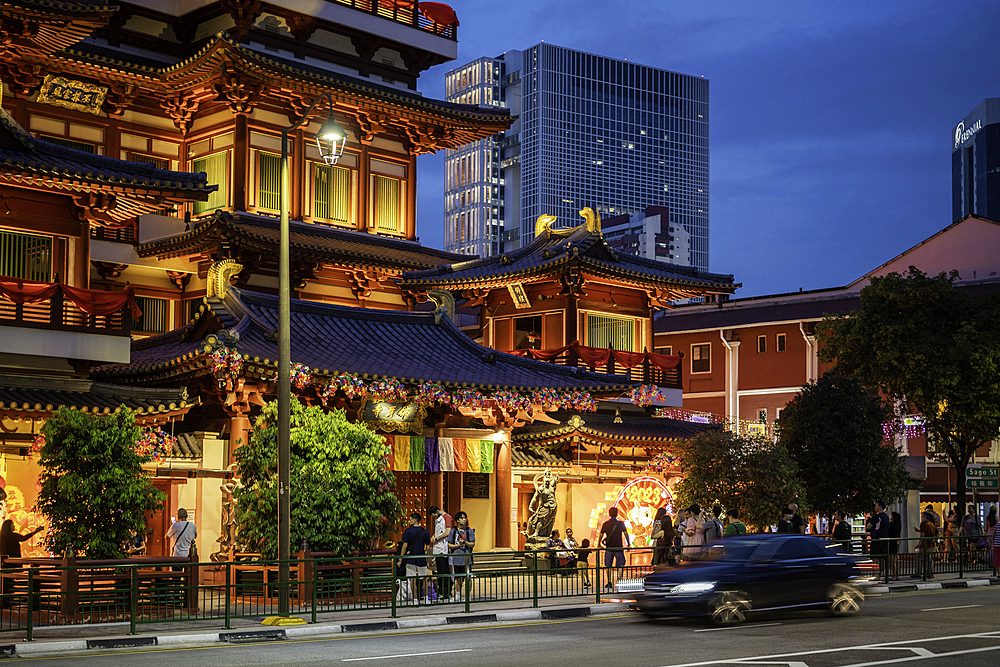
982	483
984	472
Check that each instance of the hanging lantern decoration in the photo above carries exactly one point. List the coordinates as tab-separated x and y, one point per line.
470	398
387	390
511	401
227	362
645	395
301	376
431	393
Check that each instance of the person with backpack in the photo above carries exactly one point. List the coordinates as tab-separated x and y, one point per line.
735	527
713	527
461	541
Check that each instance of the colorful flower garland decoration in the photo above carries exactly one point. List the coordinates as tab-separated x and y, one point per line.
645	395
511	401
301	376
387	390
548	398
227	360
469	398
431	393
580	401
349	383
36	445
662	461
155	443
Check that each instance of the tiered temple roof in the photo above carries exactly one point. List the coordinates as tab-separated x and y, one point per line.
410	347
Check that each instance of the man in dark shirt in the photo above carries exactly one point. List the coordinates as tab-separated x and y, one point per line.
415	541
613	533
879	534
798	523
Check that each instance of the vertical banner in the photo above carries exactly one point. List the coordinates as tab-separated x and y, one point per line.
472	453
390	462
446	454
486	456
416	453
402	453
458	447
432	456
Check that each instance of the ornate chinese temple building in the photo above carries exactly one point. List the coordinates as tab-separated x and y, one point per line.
141	187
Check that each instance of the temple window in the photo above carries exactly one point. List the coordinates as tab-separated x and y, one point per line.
268	181
387	204
155	315
615	332
528	333
26	256
216	167
331	193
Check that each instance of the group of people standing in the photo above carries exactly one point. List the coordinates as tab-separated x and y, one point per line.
450	555
681	537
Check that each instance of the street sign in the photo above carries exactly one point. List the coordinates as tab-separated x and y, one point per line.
982	477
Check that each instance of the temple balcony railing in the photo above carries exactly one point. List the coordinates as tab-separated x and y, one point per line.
57	321
406	12
648	368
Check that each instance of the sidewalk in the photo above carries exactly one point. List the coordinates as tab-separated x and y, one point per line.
76	639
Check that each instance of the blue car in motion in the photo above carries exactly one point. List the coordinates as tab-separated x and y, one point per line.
741	575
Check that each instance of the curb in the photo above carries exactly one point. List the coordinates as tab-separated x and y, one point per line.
294	632
909	587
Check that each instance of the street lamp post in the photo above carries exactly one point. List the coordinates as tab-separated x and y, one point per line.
331	142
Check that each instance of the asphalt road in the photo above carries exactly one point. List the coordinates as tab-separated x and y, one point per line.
933	628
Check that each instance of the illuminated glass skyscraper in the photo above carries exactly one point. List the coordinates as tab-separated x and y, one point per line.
975	163
590	131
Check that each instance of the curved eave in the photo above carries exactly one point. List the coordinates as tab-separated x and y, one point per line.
207	236
597	268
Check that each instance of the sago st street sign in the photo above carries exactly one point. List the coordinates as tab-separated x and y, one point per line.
982	477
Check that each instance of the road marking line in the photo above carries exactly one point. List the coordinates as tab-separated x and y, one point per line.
917	657
994	634
737	627
406	655
964	606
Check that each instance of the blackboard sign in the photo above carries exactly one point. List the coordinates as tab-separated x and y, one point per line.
475	485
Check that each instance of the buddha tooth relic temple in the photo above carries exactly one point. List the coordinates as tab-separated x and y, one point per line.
140	185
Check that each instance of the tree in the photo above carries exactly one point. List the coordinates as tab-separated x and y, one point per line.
933	350
94	492
833	429
757	477
342	490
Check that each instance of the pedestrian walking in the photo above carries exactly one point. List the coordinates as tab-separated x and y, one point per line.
842	531
928	531
613	538
895	531
971	533
461	542
661	537
416	539
439	548
880	537
798	523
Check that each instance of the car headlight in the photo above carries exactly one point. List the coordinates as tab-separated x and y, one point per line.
694	587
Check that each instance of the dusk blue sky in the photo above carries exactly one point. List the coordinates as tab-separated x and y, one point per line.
829	122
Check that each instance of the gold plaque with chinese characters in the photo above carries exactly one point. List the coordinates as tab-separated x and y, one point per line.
388	417
62	92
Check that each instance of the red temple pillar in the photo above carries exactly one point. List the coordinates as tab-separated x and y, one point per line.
503	484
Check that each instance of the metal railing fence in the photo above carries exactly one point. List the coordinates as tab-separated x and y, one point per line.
43	592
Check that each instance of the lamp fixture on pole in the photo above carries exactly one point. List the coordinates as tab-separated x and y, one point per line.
331	142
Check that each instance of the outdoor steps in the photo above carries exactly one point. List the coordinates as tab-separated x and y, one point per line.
505	561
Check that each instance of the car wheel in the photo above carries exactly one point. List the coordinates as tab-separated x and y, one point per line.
729	607
845	599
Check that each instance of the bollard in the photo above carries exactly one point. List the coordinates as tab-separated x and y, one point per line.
133	598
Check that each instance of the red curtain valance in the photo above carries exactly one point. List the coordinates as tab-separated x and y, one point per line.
438	12
90	301
599	356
